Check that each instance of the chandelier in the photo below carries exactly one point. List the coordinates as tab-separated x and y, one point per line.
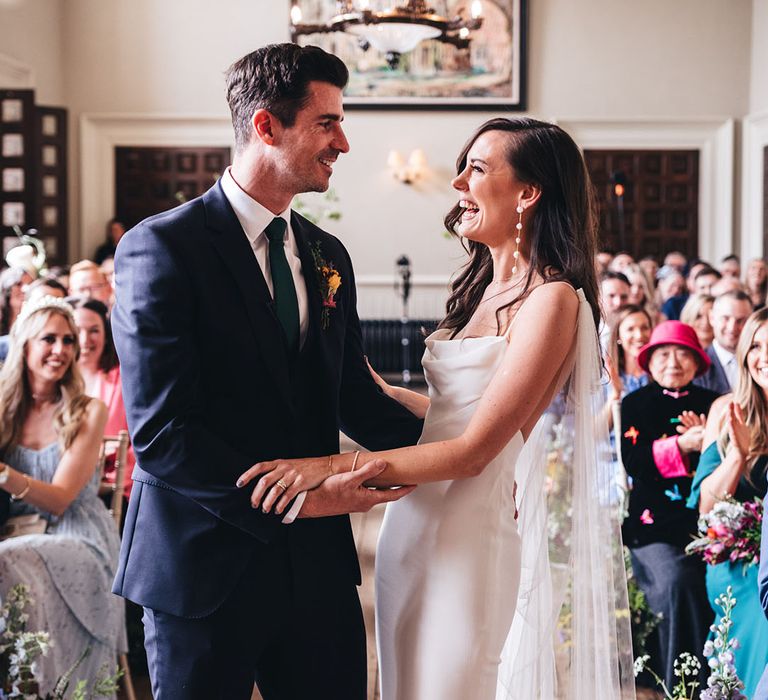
396	30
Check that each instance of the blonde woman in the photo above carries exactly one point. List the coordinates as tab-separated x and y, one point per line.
733	461
696	314
50	434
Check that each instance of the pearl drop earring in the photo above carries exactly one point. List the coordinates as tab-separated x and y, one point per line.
519	227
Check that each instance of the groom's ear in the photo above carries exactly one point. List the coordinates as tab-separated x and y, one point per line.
264	125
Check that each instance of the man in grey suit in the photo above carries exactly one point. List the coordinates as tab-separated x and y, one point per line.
729	313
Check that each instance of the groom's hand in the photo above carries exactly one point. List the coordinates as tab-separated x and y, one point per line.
346	493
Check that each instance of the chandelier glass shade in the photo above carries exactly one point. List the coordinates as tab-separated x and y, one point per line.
396	30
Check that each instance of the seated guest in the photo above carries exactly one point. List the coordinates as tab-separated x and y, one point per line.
87	280
704	280
676	259
621	261
695	313
101	373
733	462
640	292
730	312
671	290
650	267
727	284
630	331
115	231
660	462
13	280
50	434
614	293
731	266
756	282
44	286
603	258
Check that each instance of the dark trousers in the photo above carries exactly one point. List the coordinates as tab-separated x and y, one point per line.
296	641
674	586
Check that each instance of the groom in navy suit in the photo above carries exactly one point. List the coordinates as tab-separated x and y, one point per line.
234	349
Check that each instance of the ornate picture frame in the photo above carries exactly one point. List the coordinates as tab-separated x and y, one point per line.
479	69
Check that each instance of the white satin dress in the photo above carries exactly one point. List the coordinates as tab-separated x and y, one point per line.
448	557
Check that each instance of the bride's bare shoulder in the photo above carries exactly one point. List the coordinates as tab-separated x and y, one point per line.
558	296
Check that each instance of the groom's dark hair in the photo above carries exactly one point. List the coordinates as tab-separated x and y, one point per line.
276	78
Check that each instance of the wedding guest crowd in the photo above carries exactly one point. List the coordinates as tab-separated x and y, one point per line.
678	469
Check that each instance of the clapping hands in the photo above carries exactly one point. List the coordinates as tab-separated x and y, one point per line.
691	431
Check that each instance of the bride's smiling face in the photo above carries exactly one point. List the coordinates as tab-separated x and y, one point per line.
489	191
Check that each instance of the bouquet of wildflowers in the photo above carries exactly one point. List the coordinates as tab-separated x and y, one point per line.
730	532
19	651
723	683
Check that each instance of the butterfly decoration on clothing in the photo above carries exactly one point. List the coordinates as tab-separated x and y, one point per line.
674	494
675	394
646	517
632	434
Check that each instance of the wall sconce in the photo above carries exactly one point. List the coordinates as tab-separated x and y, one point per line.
408	171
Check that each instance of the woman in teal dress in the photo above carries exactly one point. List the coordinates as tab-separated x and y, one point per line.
734	462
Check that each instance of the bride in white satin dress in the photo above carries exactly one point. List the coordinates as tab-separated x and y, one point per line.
468	605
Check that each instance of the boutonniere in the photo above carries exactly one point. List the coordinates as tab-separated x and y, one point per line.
328	280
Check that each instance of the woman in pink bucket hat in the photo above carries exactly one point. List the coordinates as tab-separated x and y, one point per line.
662	426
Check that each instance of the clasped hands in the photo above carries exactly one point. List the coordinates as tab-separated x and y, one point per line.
329	490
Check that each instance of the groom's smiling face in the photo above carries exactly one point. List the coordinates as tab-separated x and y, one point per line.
309	148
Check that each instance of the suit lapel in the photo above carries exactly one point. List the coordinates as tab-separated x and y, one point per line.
230	241
303	240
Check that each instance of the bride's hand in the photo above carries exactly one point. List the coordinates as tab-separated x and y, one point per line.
284	479
384	386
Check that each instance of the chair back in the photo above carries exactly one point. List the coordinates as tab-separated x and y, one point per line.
121	441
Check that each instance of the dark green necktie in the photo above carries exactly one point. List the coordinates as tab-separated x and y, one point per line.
286	303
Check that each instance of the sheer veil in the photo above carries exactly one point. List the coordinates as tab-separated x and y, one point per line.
570	638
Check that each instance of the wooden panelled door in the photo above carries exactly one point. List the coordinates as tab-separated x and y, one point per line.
660	200
149	180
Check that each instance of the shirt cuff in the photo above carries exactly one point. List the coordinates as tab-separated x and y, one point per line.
293	513
669	460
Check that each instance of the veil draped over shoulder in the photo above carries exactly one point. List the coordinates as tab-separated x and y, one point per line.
570	638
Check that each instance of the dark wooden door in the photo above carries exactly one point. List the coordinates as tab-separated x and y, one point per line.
661	200
149	180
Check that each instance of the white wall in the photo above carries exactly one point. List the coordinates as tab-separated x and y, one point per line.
758	101
30	33
587	59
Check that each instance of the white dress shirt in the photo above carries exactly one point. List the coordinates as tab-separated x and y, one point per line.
728	361
254	218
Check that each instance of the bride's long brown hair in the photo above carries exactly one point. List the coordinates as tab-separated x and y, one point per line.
562	233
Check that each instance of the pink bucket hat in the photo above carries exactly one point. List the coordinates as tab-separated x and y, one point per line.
674	333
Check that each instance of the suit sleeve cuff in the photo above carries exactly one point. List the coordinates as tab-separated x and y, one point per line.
669	460
294	510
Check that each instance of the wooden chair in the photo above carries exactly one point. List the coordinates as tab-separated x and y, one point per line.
121	441
116	509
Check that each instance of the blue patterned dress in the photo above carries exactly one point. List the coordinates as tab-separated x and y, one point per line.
69	571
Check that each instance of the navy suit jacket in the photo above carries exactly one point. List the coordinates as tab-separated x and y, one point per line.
715	377
210	389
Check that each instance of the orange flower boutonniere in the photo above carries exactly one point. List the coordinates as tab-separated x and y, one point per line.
328	280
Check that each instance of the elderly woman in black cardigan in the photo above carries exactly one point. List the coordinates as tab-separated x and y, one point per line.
662	429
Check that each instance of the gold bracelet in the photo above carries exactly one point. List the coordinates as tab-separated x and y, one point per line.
24	492
354	461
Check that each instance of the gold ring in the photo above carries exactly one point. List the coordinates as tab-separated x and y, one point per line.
282	484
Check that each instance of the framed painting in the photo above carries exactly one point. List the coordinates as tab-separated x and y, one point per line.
479	69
